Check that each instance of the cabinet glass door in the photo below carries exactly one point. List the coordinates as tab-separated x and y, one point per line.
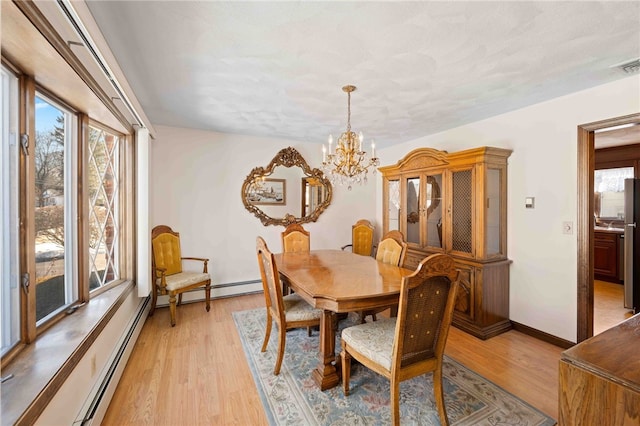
493	206
412	228
461	211
433	208
393	205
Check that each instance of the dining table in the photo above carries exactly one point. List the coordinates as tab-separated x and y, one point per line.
337	281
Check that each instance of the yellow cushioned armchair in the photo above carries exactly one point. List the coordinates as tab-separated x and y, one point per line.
361	238
169	278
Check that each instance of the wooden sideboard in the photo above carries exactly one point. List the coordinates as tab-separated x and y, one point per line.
600	378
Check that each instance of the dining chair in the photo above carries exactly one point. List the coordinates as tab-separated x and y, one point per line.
168	276
290	311
413	343
361	238
391	250
295	239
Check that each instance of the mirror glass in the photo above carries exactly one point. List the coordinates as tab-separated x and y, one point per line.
286	191
609	192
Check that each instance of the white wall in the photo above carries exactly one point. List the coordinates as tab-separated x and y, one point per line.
196	177
543	165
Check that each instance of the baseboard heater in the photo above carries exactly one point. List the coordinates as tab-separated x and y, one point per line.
95	409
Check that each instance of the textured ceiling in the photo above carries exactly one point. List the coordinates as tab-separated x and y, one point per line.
277	68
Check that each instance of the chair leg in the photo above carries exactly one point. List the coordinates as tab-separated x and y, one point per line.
207	296
439	396
395	401
180	299
346	368
172	308
154	299
267	333
282	337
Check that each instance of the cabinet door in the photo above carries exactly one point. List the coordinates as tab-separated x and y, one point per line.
465	297
392	205
432	210
495	213
462	220
412	226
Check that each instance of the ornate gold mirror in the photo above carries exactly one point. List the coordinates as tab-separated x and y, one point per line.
274	193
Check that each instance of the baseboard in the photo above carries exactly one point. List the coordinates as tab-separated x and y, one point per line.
541	335
217	292
95	408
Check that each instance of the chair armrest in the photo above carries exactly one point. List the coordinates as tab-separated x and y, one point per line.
160	273
201	259
344	247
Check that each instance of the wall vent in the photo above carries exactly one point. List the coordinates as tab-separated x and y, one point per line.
630	67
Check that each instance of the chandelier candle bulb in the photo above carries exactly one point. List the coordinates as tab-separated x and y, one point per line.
373	149
324	153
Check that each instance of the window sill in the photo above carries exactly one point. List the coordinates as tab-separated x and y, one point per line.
41	368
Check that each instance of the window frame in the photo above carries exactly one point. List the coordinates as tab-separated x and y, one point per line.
28	90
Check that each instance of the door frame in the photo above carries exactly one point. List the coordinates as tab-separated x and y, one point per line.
584	228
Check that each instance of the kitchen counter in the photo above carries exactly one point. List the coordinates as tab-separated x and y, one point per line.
607	229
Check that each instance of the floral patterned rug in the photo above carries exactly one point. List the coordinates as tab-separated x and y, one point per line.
293	398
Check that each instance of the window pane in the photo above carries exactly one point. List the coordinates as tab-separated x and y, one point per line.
9	228
54	283
104	208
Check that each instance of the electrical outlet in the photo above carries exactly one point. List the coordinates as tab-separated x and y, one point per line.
567	228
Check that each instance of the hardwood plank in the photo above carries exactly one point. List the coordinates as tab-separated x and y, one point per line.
196	372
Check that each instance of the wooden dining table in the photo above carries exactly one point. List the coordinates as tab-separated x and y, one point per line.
338	281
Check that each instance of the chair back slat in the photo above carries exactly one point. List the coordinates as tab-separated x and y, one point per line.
270	279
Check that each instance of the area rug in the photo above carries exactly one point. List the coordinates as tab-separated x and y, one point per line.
293	398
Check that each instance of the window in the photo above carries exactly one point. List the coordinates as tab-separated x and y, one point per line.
55	207
9	228
609	192
75	192
104	207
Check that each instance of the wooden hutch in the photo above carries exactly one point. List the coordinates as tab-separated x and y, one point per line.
456	203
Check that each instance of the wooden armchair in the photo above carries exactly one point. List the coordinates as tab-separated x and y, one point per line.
295	239
361	238
167	273
413	343
289	311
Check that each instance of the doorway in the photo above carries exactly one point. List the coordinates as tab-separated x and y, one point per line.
584	228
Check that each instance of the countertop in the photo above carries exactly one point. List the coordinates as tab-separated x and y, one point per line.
612	354
607	229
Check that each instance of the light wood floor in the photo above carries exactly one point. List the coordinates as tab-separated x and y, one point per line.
608	306
196	372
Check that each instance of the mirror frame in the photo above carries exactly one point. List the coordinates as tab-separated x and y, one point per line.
287	157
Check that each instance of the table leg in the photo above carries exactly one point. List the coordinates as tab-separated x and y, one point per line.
326	374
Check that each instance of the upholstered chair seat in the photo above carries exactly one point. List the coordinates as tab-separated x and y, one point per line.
373	340
297	309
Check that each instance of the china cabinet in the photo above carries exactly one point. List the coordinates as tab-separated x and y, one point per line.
455	203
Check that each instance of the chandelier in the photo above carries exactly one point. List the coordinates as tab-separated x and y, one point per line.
348	164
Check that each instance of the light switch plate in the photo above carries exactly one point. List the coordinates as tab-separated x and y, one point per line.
567	228
529	202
